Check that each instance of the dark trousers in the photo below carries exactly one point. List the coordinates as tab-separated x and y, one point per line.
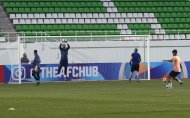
65	69
36	75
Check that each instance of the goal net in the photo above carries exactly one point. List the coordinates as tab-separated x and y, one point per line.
110	54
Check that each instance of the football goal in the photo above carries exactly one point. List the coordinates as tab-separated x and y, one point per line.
84	49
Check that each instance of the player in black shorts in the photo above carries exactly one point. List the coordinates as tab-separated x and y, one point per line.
177	68
135	68
135	64
174	74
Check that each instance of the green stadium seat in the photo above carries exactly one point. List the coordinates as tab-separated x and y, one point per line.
49	27
54	4
30	4
18	4
43	27
9	10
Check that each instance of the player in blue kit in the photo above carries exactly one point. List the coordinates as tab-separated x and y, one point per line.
135	64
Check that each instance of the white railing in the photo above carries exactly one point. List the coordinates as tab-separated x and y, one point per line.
173	35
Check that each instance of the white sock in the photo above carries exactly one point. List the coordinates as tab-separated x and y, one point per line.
170	85
179	80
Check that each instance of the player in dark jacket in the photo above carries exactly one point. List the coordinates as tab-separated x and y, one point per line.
36	67
64	47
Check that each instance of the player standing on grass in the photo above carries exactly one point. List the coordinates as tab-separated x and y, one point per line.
177	68
36	67
64	47
135	64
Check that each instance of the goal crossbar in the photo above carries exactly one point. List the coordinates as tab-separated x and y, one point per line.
84	36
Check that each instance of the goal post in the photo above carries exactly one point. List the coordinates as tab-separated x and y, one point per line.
10	53
142	42
87	49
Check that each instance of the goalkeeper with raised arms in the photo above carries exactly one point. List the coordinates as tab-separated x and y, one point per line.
64	47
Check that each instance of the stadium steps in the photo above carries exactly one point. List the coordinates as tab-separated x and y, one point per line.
121	24
6	26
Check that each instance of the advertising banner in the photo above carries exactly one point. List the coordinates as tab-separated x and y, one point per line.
88	71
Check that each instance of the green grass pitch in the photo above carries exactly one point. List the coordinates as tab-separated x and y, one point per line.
96	99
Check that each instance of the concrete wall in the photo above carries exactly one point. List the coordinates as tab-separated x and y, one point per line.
95	52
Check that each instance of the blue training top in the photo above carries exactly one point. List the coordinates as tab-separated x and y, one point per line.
37	60
136	58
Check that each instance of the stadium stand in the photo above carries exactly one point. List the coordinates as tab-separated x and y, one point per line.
163	19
